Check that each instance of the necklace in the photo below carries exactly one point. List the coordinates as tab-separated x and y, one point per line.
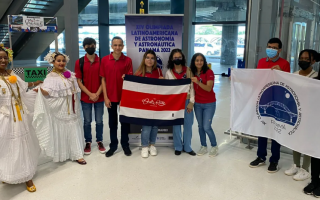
5	73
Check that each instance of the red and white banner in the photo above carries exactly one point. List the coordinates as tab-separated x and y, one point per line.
153	102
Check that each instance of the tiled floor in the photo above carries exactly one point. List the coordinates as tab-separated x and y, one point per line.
166	176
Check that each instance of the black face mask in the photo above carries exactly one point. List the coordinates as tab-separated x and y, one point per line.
90	50
304	65
177	62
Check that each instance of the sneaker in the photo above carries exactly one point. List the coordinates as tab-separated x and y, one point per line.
203	150
153	150
177	153
301	175
257	163
309	189
316	192
273	167
214	151
191	153
127	151
101	147
145	152
292	171
87	149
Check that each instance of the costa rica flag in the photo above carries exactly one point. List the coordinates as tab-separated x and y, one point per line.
153	102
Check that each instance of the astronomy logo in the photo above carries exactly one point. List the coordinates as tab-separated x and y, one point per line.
159	62
279	105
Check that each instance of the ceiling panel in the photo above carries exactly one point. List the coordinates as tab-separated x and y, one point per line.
4	5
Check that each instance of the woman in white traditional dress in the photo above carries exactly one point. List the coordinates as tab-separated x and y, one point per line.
19	147
57	118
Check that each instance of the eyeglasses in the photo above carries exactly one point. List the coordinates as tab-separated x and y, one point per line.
4	58
148	58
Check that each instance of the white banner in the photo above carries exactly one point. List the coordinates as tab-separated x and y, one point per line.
277	105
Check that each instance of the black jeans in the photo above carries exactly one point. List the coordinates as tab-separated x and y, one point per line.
315	171
113	125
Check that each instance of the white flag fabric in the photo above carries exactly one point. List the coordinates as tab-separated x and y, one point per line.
277	105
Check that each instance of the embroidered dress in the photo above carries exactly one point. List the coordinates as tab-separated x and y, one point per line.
57	119
19	147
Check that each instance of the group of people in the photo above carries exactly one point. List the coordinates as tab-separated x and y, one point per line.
307	58
46	116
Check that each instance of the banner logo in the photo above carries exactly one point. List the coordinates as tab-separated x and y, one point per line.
159	62
279	105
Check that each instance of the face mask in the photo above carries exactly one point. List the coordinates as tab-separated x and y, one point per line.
271	53
304	65
90	51
177	62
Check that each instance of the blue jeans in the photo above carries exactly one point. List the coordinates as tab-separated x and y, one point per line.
148	135
185	145
204	114
87	115
262	149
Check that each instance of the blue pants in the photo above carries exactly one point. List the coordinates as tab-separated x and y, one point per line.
204	114
87	115
185	145
148	135
262	150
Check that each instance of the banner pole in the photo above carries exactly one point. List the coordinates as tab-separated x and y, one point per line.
10	39
56	44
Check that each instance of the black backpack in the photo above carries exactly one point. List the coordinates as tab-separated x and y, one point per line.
81	63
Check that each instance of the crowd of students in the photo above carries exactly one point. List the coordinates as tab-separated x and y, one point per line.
49	116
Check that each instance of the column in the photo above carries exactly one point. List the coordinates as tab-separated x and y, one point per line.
177	6
71	31
103	23
229	43
188	29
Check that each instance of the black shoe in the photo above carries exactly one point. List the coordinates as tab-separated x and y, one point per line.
192	153
257	163
316	192
127	151
273	167
110	153
309	189
177	153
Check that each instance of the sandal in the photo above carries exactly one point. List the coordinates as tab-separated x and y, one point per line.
32	188
81	161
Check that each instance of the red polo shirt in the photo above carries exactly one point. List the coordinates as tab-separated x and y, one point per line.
155	74
112	70
181	75
266	63
91	78
202	96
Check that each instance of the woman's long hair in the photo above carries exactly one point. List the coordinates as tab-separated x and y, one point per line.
170	64
193	67
142	67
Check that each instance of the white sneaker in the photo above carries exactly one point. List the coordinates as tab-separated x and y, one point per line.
203	150
214	151
301	175
145	152
153	150
292	171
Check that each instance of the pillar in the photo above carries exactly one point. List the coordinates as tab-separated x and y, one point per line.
103	21
188	29
177	6
71	31
229	43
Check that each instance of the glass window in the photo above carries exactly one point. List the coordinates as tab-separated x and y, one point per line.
89	15
159	6
61	44
88	31
220	11
217	44
118	31
117	10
